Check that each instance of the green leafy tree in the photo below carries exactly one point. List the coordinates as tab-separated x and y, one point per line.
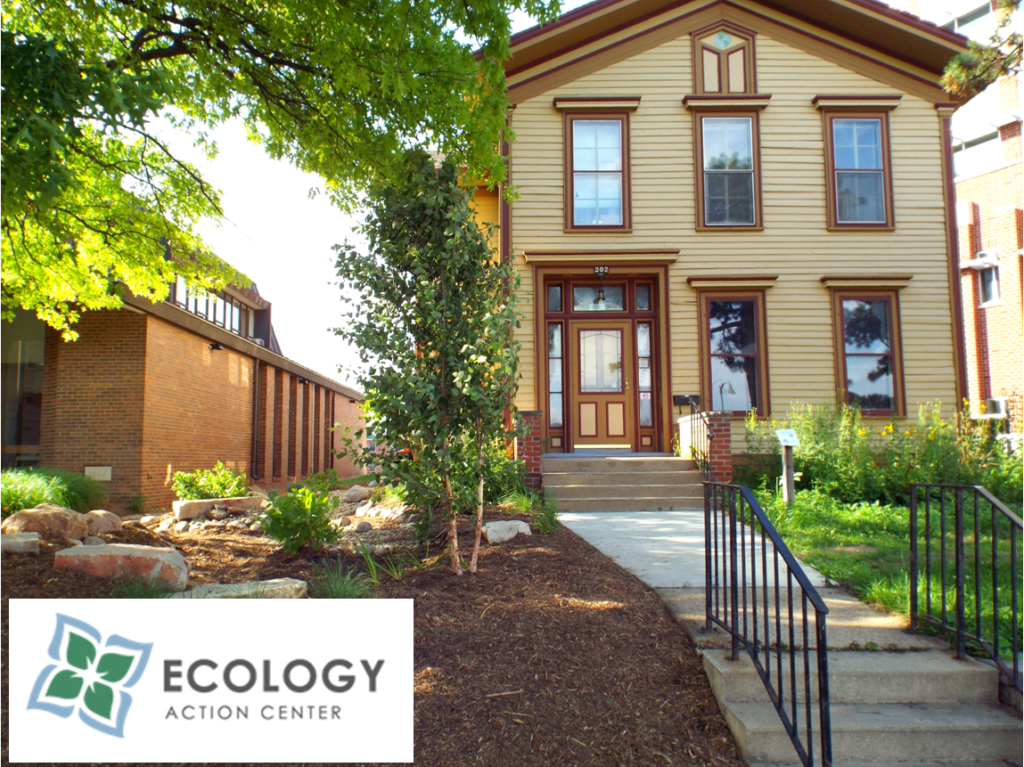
435	334
93	200
971	72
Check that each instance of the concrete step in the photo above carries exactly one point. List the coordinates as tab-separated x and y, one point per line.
636	478
678	492
886	733
628	503
855	677
570	462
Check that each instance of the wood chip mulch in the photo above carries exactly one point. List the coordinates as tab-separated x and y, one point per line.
550	655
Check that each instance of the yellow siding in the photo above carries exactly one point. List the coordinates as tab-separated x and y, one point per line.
794	245
485	211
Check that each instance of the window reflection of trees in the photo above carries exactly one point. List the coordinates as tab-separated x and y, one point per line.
866	334
734	340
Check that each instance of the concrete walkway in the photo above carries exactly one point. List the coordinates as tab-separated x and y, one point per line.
665	549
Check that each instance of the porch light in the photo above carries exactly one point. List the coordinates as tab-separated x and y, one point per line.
600	271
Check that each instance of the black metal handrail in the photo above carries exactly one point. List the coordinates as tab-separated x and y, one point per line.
741	547
950	524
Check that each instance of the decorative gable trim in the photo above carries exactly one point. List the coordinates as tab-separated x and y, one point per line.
570	103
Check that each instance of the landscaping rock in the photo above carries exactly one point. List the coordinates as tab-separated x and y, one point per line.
49	520
149	521
365	510
72	542
118	560
182	527
373	483
101	522
192	509
20	543
92	540
238	524
164	526
279	588
217	514
357	493
506	530
256	527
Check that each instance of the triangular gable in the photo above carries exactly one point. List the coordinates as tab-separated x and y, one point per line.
889	46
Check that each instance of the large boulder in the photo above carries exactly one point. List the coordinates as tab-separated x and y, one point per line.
47	519
357	494
193	509
101	522
505	530
118	560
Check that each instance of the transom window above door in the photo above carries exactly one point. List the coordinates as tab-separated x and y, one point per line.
597	172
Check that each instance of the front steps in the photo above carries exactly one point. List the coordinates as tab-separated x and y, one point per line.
622	483
887	708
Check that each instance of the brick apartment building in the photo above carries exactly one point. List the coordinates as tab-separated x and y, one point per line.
152	389
989	180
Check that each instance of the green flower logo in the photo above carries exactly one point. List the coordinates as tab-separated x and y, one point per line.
90	676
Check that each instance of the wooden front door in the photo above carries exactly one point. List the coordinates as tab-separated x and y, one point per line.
601	390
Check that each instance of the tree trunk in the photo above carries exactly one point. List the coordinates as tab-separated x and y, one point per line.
453	529
479	499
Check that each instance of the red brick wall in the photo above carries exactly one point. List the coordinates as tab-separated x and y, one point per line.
528	448
198	408
720	427
92	411
346	413
995	334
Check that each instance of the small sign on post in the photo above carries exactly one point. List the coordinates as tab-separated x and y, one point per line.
788	440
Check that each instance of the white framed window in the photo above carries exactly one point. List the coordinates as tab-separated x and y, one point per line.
988	286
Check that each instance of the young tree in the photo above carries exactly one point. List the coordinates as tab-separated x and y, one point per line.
971	72
91	197
435	335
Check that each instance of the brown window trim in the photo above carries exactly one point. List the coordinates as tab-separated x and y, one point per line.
626	227
758	297
755	138
896	352
833	224
750	69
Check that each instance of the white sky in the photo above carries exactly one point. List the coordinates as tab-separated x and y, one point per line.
273	232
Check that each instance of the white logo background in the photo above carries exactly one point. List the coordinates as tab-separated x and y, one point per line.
373	727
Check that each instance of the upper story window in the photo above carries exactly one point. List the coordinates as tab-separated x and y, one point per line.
597	172
724	61
859	176
988	286
727	156
219	308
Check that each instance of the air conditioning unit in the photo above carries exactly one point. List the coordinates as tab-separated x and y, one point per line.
996	407
258	341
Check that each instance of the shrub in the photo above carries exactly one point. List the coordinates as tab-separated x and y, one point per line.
27	488
503	475
333	581
299	518
218	482
137	505
81	493
541	507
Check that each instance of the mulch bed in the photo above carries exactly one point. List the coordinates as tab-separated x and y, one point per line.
550	655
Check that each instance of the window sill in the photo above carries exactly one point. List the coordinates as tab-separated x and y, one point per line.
729	228
860	228
991	304
598	230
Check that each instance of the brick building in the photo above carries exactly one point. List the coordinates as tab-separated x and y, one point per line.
989	179
152	389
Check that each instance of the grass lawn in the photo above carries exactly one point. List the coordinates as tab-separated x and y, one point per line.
866	547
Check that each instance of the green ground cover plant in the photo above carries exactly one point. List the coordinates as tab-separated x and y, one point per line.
333	581
300	518
202	484
27	488
328	481
540	506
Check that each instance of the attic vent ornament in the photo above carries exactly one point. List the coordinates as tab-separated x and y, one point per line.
600	271
723	40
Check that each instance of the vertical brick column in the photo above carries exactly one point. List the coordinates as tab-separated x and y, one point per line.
720	424
528	446
280	451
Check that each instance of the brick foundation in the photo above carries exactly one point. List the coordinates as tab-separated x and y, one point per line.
528	447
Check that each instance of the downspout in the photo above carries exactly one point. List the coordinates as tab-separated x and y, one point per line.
253	470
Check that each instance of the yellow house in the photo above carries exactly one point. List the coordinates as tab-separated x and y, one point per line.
746	201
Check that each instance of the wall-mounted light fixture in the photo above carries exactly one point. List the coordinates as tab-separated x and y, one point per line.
216	347
601	271
303	381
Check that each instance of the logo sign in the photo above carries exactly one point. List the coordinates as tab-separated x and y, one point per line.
787	438
260	681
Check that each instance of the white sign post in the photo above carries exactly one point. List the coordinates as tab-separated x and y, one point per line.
788	440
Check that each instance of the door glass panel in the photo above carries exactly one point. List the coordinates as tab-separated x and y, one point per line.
643	340
555	372
554	340
644	382
587	299
601	360
643	298
554	298
555	410
646	411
